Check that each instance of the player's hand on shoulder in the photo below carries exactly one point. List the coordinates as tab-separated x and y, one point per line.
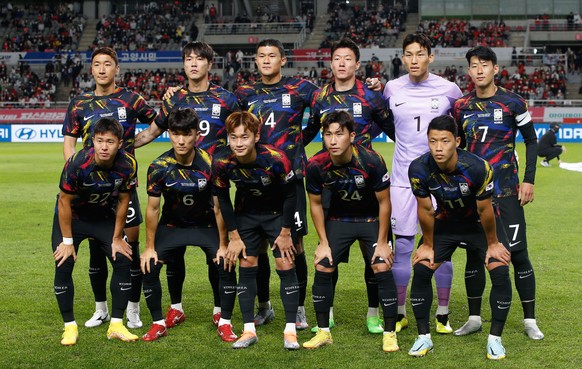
374	84
171	91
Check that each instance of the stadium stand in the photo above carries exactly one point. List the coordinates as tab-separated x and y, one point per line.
40	27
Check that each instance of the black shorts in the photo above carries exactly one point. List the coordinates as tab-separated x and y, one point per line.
341	236
253	228
169	240
99	231
510	222
448	237
134	217
299	228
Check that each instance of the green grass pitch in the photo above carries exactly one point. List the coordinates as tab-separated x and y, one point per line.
32	325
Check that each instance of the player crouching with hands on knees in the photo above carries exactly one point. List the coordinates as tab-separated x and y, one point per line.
182	175
263	208
95	186
462	184
359	186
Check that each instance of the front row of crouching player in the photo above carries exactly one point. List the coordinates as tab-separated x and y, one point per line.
198	209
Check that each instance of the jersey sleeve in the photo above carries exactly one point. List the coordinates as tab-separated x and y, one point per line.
155	184
380	175
485	190
130	182
313	177
522	115
70	176
417	177
220	179
145	113
71	126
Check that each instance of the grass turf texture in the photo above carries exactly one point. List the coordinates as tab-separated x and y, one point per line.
32	324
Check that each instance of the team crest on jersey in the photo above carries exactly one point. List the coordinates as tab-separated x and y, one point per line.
434	103
357	108
360	182
289	176
201	184
122	113
266	180
118	182
498	115
464	189
215	110
286	100
386	177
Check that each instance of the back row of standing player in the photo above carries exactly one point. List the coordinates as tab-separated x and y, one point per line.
279	102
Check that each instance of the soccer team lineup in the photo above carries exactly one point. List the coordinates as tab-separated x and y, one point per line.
453	177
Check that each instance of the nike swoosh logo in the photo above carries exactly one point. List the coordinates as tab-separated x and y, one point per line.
525	276
228	292
60	292
329	183
125	288
148	296
88	184
290	292
317	301
398	104
135	275
171	184
468	115
470	276
392	303
503	307
240	293
323	111
511	244
129	220
92	273
87	118
416	304
434	188
253	102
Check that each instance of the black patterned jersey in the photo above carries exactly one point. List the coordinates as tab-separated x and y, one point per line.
490	126
212	106
456	192
353	186
126	106
96	189
280	109
186	189
258	185
367	107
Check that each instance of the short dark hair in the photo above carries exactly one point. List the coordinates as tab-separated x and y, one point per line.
482	53
183	120
108	124
341	117
106	51
272	42
346	43
420	38
242	118
198	48
443	123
